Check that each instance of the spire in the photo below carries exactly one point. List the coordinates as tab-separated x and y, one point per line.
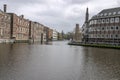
87	16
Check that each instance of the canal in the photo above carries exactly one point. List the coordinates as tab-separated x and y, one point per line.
58	61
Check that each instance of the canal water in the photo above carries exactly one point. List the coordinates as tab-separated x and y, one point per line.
58	61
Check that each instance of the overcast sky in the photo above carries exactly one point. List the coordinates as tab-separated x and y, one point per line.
58	14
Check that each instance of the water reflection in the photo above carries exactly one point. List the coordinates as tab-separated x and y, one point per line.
58	61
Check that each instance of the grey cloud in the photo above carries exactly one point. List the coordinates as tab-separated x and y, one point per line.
23	1
78	1
57	14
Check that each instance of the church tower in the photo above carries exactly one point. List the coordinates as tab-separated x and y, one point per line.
87	16
77	35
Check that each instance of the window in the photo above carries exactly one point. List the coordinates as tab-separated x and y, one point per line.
111	27
118	12
110	13
99	21
101	14
106	36
111	36
112	20
116	19
114	13
116	28
103	20
107	20
107	27
105	14
1	30
103	28
103	36
95	21
116	35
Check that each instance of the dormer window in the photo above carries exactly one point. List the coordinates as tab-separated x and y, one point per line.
105	14
101	15
114	13
110	13
118	12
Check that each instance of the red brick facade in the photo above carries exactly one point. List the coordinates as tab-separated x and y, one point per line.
4	26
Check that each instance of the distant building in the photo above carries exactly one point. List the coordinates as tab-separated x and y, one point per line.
55	35
5	31
46	34
77	34
60	36
105	27
17	28
36	32
50	34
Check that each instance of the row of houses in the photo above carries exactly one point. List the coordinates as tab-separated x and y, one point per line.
102	28
14	28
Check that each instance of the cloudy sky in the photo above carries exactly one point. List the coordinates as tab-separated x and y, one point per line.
58	14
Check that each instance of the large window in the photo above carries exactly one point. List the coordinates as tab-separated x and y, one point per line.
110	13
116	36
107	20
99	21
112	20
108	27
114	13
95	21
116	20
112	28
1	32
117	28
105	14
118	12
101	14
103	20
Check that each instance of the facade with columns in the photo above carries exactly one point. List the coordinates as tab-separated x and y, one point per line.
105	27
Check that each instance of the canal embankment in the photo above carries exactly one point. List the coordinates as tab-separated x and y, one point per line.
94	45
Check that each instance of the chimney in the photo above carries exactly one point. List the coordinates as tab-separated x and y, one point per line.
87	16
22	16
5	8
77	25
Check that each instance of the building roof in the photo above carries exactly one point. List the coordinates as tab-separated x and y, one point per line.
112	12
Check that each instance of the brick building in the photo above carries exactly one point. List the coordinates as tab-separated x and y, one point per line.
50	34
4	26
105	27
36	32
19	27
46	33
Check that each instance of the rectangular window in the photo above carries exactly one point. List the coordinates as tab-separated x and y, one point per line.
116	27
103	20
112	20
116	20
